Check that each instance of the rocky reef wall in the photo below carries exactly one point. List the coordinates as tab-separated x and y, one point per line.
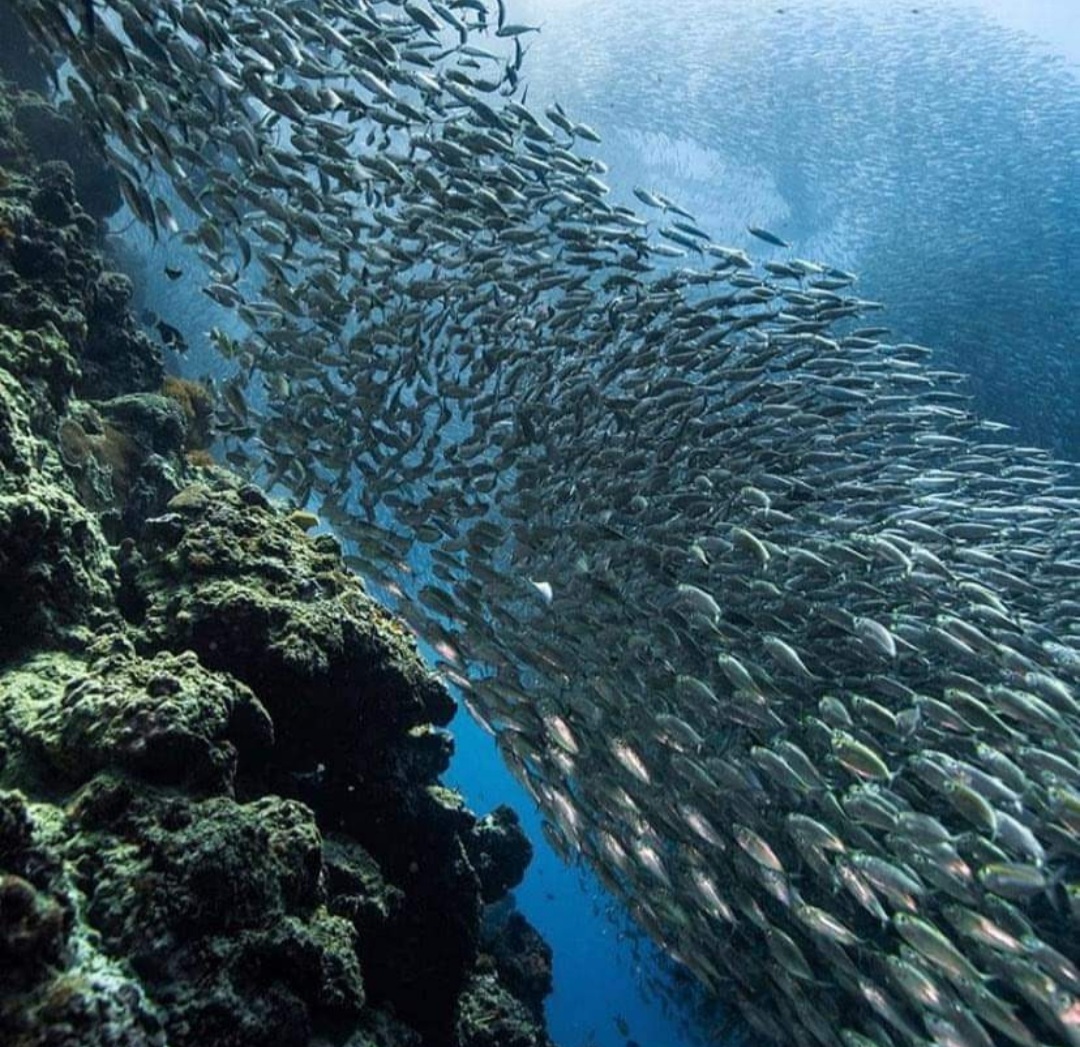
221	820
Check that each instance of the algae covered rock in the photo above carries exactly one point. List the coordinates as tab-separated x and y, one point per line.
121	457
489	1016
57	986
46	369
500	852
220	815
35	918
253	595
33	934
165	719
57	570
118	358
518	953
219	908
56	137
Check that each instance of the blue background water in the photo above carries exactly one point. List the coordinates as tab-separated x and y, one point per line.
934	148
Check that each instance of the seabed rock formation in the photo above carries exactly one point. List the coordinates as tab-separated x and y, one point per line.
221	820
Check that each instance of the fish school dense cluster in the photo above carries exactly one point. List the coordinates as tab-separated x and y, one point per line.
782	637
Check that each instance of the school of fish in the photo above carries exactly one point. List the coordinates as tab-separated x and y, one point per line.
900	162
781	636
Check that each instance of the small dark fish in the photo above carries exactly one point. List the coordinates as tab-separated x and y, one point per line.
764	234
173	273
170	336
89	18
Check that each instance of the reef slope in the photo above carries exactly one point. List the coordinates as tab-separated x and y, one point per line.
221	820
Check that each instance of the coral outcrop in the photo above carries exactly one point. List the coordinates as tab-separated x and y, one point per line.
221	821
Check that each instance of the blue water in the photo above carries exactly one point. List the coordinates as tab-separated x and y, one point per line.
602	970
933	147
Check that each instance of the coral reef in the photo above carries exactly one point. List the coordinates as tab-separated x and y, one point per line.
197	403
221	821
520	956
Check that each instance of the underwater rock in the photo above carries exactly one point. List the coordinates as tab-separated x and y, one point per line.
52	282
419	963
32	933
425	753
500	852
21	58
218	906
223	822
46	269
19	452
53	135
356	887
239	923
16	832
256	597
156	420
45	365
490	1017
117	454
143	435
57	574
54	203
57	986
522	958
166	719
197	404
35	921
118	358
57	570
